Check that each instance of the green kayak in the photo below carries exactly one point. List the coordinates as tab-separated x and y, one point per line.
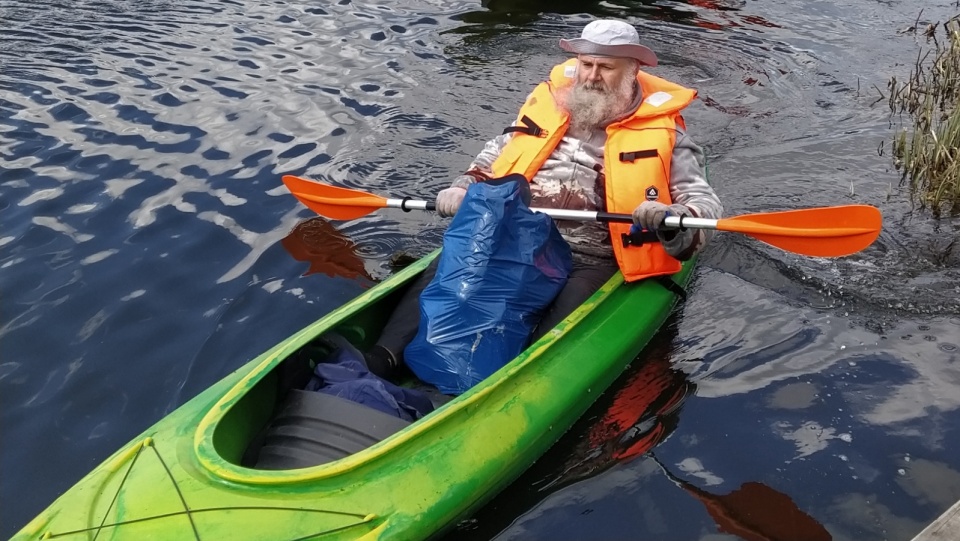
195	474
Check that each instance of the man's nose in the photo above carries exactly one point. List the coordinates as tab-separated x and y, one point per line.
593	74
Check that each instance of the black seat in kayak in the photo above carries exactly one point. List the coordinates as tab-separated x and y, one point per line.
314	428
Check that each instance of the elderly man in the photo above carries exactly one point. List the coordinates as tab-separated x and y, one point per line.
599	135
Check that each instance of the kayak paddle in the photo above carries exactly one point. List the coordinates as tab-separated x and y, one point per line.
819	232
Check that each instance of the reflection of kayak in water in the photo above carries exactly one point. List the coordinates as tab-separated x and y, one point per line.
640	416
340	470
630	424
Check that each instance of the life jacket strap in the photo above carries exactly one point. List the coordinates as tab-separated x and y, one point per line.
672	286
530	128
638	155
638	238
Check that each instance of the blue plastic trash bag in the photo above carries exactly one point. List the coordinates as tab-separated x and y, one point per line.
501	265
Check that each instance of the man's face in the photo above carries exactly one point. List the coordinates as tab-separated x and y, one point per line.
603	91
604	73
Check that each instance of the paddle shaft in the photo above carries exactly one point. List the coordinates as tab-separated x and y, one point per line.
819	232
671	222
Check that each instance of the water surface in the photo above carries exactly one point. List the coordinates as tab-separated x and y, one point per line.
147	246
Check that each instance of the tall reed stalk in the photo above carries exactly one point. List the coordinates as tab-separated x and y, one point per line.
928	155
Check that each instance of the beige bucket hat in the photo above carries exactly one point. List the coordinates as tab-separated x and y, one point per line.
609	37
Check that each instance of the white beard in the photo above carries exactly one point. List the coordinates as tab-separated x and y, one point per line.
591	106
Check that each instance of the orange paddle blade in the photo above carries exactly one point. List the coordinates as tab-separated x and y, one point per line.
818	232
331	201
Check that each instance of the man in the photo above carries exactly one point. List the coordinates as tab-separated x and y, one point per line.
599	135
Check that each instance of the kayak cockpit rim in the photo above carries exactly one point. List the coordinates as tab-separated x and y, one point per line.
205	448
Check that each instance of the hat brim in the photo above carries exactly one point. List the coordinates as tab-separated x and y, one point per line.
629	50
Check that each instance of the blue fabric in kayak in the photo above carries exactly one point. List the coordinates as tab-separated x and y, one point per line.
344	374
501	265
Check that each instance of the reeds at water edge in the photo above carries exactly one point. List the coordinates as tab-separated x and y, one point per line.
928	154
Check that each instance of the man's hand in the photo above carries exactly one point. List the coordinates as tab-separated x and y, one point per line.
651	214
448	200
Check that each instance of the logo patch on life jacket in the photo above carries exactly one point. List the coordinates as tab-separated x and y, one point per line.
652	193
658	98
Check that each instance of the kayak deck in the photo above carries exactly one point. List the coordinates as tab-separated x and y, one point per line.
189	476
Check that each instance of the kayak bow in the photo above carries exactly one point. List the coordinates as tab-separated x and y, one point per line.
195	474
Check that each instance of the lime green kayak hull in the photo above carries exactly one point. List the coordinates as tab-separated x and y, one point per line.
182	479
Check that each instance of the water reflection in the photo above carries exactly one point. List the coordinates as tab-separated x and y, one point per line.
707	14
641	415
601	463
755	512
326	249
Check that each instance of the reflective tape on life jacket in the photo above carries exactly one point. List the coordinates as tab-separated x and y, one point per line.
636	160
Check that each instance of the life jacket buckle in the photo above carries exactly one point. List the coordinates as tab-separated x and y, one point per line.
638	238
635	155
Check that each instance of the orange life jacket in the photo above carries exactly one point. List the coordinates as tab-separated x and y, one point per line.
636	159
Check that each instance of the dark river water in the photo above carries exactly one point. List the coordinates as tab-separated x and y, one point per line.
148	247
